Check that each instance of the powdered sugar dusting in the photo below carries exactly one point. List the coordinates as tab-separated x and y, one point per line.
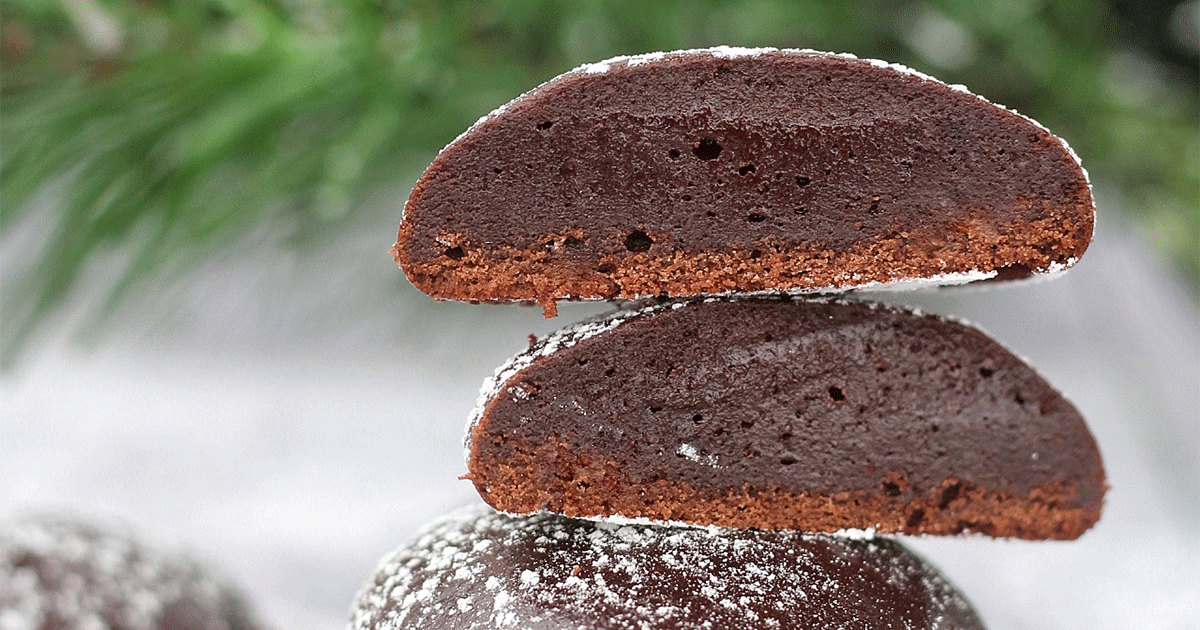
548	571
58	573
689	452
564	338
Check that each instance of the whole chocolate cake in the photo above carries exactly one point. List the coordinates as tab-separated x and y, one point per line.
478	570
736	170
65	574
815	415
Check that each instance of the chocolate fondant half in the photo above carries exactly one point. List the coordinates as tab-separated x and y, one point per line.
480	571
734	170
61	573
785	413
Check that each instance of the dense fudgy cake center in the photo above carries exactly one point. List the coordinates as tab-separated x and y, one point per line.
763	401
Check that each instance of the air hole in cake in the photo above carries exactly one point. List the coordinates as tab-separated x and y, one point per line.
914	519
949	495
706	149
572	241
835	393
697	419
686	197
455	252
756	217
747	424
788	460
986	372
710	214
933	428
891	488
497	170
581	361
800	211
638	241
673	154
802	180
1015	271
755	254
606	268
655	409
545	125
609	372
1018	398
746	170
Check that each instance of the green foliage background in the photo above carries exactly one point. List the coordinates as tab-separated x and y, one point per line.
172	129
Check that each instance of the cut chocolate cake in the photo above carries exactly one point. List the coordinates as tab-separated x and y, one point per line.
771	413
478	570
66	574
734	170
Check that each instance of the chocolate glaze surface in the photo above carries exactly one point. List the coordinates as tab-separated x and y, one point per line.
702	172
479	570
786	413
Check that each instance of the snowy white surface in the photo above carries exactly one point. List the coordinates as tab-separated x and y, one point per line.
293	421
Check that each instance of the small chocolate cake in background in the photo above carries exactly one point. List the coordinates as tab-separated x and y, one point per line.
66	574
785	413
479	570
735	170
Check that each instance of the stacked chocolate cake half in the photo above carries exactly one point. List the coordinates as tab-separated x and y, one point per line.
734	447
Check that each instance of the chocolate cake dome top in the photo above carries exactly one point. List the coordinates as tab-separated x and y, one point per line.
63	573
735	170
477	570
816	415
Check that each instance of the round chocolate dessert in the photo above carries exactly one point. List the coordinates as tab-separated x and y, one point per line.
63	574
781	413
735	170
478	570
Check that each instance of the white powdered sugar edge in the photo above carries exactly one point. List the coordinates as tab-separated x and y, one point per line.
560	339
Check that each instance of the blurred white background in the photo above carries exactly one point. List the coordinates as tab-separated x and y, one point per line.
293	420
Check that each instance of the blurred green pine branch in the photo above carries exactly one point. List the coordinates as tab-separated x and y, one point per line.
169	130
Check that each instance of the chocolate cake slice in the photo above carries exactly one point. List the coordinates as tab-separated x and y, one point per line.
479	570
815	415
734	170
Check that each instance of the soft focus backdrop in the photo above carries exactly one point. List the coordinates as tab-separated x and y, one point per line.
203	333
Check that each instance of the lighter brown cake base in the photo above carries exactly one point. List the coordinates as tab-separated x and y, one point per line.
549	273
590	488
